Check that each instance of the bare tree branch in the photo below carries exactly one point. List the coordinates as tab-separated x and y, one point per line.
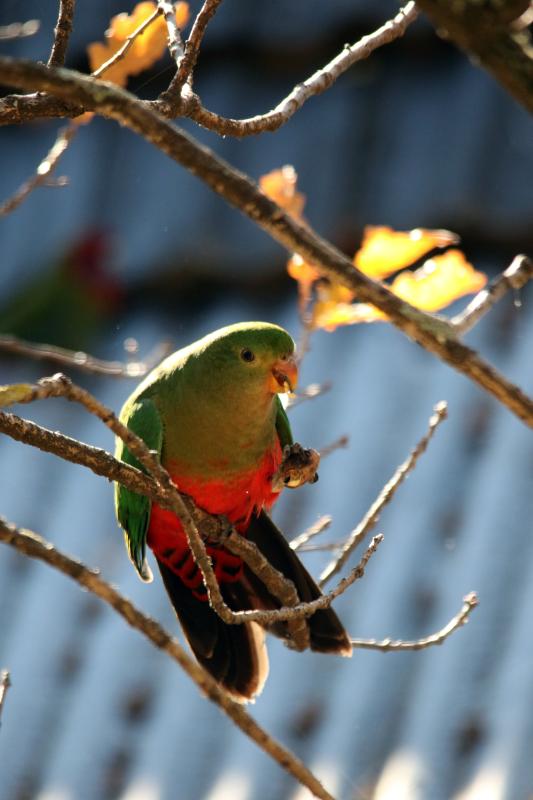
514	277
83	361
330	448
34	546
317	83
43	171
62	33
486	31
470	602
175	42
387	493
121	52
5	683
172	96
435	334
319	527
20	108
309	393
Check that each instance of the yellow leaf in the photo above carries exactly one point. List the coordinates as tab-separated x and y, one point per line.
439	282
329	315
384	251
280	186
146	49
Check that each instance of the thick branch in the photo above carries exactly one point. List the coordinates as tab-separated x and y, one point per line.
34	546
487	32
387	493
434	334
470	602
62	33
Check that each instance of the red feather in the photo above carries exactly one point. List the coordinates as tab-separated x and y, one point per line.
237	499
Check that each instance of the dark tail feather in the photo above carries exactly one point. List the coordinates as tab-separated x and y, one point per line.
235	655
326	632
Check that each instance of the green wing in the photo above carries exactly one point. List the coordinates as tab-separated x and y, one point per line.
282	425
133	510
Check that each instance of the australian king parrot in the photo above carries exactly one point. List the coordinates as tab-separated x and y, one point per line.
212	412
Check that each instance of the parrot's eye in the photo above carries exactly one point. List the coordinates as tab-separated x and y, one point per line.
247	355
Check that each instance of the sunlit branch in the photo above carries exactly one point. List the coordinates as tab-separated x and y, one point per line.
470	602
389	490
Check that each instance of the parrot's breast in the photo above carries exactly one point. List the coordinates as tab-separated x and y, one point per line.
237	497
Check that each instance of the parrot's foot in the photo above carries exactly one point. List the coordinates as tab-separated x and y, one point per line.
299	466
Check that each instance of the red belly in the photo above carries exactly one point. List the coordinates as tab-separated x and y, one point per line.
237	499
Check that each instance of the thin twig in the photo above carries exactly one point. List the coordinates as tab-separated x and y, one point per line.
175	42
330	448
309	393
396	645
62	32
43	171
34	546
121	52
514	277
319	527
317	83
83	361
387	493
19	30
172	96
5	683
277	584
325	547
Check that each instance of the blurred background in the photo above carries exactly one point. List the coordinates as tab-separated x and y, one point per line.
134	247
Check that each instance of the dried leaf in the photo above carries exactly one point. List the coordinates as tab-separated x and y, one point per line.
300	269
147	48
384	250
280	186
439	282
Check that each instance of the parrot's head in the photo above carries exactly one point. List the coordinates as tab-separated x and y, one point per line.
252	357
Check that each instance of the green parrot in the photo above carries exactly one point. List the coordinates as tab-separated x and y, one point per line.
213	414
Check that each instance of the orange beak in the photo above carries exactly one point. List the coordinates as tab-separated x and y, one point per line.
283	375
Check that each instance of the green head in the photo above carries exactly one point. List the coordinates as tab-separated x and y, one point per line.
254	357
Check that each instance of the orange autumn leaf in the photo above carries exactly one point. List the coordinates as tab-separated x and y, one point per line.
334	307
384	250
439	282
299	269
146	49
280	186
